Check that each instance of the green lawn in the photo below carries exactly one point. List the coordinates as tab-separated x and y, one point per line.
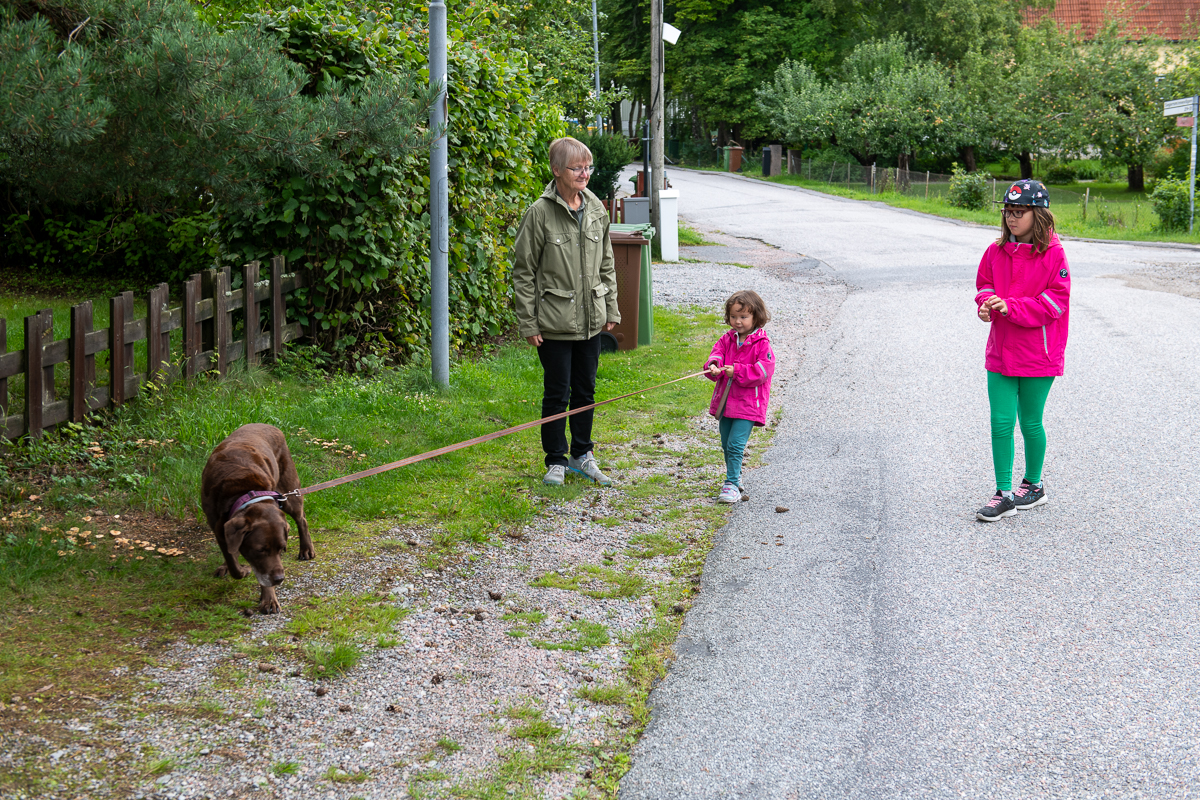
113	606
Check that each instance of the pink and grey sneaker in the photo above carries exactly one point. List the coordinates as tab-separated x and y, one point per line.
997	508
1028	496
730	493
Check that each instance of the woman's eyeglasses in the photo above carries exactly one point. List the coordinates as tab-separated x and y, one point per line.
588	170
1016	213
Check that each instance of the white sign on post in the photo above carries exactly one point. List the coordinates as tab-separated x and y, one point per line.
1180	106
1190	106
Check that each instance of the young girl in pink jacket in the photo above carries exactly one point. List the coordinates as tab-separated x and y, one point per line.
741	364
1023	290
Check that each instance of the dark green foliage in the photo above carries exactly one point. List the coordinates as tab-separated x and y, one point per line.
123	242
968	189
1059	173
364	231
610	154
113	100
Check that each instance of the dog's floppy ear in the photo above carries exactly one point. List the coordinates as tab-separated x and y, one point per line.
235	531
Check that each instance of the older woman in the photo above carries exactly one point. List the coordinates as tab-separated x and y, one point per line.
565	289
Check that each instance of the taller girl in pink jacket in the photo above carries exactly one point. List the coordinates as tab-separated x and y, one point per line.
1023	289
742	365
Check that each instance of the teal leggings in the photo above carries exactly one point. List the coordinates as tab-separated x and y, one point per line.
734	435
1014	399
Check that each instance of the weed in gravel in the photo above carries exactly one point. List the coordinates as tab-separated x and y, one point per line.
347	615
554	580
517	770
338	775
610	694
328	661
652	545
535	729
160	766
449	745
429	775
285	768
591	634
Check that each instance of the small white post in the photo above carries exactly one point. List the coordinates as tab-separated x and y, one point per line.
926	184
669	234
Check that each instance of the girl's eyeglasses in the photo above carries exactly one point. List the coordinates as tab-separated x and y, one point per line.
588	170
1016	213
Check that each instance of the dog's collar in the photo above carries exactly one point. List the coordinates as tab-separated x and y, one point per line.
249	498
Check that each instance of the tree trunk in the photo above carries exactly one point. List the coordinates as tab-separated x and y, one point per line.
614	116
1026	165
1137	178
967	154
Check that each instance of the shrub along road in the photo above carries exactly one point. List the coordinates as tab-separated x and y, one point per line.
877	641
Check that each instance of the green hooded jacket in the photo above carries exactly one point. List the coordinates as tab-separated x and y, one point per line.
564	282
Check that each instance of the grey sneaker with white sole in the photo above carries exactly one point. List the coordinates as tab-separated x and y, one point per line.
588	468
555	475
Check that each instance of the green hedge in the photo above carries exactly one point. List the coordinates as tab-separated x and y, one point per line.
364	232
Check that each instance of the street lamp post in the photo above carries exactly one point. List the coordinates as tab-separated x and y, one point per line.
439	201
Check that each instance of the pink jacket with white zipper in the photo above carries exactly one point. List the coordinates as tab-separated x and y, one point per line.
1031	341
746	394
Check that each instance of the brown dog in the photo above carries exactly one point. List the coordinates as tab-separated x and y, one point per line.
248	484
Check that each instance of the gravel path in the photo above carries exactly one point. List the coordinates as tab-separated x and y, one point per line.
230	720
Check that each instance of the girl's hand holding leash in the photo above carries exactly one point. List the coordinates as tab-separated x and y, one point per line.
713	369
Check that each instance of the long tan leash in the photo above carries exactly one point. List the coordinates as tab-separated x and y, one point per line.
404	462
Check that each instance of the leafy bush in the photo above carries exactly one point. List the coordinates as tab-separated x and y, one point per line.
1172	203
1089	170
1060	173
968	189
611	153
364	231
124	242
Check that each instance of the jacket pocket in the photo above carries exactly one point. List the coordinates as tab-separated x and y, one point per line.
599	306
557	311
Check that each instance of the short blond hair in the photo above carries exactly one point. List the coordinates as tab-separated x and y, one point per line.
565	150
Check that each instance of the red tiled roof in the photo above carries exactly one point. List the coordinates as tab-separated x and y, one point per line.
1169	19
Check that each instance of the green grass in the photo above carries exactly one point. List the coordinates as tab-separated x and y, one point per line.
688	236
337	775
605	694
154	449
590	635
593	581
285	768
332	660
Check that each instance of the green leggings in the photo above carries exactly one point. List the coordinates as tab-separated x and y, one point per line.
1014	399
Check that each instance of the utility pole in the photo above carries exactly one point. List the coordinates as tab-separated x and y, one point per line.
596	50
656	112
439	200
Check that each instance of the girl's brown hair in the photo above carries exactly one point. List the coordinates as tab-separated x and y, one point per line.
1043	226
750	301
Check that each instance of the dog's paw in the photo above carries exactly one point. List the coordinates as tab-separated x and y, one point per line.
221	572
269	606
306	554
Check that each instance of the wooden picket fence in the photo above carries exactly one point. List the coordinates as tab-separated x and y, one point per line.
206	319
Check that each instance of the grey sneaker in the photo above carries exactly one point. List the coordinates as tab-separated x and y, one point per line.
729	494
588	468
555	475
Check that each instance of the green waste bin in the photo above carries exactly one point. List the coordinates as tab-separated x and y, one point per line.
645	330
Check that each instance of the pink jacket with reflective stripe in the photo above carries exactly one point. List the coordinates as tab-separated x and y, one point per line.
750	387
1032	340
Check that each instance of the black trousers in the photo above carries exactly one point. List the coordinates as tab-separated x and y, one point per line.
569	377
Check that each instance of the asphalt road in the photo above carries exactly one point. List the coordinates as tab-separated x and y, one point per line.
894	647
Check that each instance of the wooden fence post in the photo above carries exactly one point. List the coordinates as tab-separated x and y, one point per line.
221	321
116	350
83	366
191	327
158	341
3	380
208	282
37	326
250	306
278	316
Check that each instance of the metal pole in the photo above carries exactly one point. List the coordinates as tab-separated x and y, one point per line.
439	201
1192	182
645	158
656	112
596	50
